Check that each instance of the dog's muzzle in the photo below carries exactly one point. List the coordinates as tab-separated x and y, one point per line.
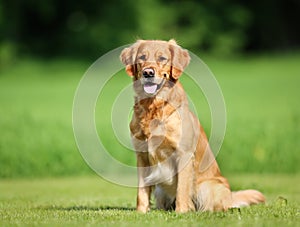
151	84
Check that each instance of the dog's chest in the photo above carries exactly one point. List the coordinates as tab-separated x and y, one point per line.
162	173
151	119
154	118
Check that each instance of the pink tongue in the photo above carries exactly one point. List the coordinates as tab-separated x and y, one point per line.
150	89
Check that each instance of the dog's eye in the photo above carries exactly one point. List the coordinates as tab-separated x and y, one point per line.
142	57
162	58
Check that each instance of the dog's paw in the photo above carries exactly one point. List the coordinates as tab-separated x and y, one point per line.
181	210
143	209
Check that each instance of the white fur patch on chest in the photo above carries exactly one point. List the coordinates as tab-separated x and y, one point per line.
161	173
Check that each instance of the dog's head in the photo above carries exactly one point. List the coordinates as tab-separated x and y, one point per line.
154	62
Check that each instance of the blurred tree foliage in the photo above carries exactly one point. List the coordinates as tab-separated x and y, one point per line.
90	28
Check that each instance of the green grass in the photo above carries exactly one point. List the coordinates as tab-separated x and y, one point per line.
90	201
36	119
261	147
261	95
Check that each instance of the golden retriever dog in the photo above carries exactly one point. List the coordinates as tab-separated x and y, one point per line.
171	146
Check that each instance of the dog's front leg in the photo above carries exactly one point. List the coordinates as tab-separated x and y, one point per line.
144	192
185	185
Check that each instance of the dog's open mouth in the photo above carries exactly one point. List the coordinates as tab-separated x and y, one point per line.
152	88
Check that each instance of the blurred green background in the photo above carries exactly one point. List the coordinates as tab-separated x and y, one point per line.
252	48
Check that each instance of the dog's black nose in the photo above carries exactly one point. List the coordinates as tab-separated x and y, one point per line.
148	72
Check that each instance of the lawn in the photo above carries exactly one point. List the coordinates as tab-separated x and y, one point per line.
91	201
44	179
262	102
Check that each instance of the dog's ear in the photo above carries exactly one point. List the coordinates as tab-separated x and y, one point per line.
128	56
126	59
180	59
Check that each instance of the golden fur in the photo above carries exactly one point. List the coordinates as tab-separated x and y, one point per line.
173	154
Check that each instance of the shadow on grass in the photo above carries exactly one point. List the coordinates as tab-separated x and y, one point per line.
87	208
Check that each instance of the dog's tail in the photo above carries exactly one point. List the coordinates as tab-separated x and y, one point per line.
246	198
